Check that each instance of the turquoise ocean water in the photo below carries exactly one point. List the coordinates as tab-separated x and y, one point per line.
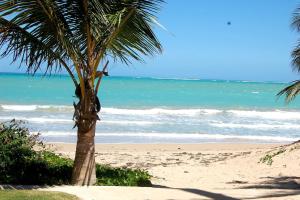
149	110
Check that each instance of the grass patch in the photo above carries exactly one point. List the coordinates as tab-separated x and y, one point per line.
34	195
20	163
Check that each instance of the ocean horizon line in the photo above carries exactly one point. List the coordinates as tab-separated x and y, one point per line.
153	77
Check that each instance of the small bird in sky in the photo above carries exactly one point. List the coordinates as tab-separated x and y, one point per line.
229	23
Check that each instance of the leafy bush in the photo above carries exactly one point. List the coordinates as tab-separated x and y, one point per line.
20	163
121	176
24	160
16	152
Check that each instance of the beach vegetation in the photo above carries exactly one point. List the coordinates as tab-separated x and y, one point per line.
80	38
107	175
34	195
25	160
268	158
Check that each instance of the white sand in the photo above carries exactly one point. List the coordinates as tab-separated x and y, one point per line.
197	171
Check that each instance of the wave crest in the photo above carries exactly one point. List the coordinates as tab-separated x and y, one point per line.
22	108
271	114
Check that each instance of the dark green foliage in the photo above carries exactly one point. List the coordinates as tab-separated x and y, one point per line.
20	163
293	89
15	151
290	91
121	176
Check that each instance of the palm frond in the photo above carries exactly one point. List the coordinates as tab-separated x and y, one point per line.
296	51
79	32
129	28
18	41
296	58
291	91
43	20
296	19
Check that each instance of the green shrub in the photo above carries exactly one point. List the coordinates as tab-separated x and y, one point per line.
16	152
20	163
121	176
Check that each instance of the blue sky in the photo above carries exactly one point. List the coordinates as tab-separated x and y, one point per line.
256	46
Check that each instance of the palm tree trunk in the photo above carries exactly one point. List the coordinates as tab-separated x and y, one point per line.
84	169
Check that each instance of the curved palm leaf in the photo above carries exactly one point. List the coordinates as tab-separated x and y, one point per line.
296	51
291	91
37	51
132	30
81	32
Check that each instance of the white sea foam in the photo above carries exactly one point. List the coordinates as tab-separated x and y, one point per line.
156	111
182	136
276	114
129	122
19	107
35	108
37	119
57	120
256	126
117	111
240	122
253	114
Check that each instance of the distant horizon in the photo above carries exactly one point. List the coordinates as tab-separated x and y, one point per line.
150	77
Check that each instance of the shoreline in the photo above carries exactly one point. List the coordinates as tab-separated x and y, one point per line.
248	142
173	146
144	140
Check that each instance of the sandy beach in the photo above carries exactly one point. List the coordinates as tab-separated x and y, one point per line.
201	95
198	171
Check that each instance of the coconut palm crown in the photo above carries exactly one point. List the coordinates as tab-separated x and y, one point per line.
293	89
79	36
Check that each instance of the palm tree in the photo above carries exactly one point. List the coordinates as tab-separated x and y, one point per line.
79	36
293	90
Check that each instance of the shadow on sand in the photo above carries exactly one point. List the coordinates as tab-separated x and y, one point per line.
203	193
285	186
282	182
288	186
